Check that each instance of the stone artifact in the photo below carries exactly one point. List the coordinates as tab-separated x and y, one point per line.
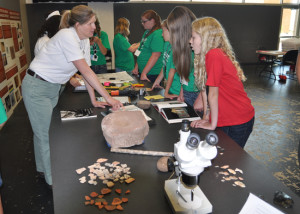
144	104
162	164
125	128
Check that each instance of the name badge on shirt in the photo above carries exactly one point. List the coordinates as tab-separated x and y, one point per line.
137	52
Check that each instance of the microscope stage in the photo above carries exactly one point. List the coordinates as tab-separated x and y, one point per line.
200	204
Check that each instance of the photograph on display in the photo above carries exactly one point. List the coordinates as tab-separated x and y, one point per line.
4	59
12	52
2	71
2	47
12	98
17	81
8	103
18	96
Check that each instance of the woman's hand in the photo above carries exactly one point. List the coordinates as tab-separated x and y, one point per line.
144	77
100	104
156	84
116	104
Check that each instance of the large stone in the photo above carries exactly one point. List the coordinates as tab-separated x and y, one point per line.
125	128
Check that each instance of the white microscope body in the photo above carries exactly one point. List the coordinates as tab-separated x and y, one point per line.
191	157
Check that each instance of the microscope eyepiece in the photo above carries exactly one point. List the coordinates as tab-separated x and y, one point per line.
193	141
185	125
212	138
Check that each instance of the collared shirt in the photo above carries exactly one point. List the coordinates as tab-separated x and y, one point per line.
54	63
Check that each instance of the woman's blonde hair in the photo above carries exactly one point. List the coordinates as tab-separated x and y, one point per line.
179	24
122	27
212	36
64	21
80	14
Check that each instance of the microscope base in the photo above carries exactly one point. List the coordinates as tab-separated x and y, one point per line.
200	204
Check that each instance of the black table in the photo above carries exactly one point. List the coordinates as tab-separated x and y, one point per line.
76	144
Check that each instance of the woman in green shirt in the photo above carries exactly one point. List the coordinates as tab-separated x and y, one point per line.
3	117
124	60
99	48
149	57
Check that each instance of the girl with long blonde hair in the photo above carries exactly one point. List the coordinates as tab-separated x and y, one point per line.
217	68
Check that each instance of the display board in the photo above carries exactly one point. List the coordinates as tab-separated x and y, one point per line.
13	61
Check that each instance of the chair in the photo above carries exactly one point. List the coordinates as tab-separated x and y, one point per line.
289	59
267	62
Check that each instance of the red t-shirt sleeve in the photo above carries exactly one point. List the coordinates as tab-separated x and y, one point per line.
214	67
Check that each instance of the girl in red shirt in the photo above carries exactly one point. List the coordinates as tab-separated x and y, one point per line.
216	68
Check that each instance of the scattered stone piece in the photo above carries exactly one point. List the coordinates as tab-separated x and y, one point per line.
87	203
92	202
224	173
231	171
116	163
105	191
110	207
239	170
223	180
100	206
124	200
240	184
129	180
221	153
217	166
82	179
87	198
116	201
110	184
100	200
233	178
119	191
101	160
127	192
240	178
79	171
100	196
224	167
119	207
94	194
105	203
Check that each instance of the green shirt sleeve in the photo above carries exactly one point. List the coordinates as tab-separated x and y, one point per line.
124	45
104	39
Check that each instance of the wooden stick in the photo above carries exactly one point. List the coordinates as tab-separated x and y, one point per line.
141	152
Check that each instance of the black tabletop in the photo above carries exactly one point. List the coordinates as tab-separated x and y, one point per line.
76	144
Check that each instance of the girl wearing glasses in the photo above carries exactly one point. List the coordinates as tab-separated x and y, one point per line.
99	48
231	109
149	57
123	49
59	59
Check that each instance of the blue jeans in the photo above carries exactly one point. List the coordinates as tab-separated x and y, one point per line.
239	133
190	97
40	97
99	69
152	78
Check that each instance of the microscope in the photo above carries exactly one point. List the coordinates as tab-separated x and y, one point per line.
191	156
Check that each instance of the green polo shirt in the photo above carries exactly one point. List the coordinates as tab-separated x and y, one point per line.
124	58
167	65
100	59
191	87
149	44
3	116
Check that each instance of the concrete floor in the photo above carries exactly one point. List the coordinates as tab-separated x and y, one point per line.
274	142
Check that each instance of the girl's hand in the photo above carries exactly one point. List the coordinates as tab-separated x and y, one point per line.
171	96
144	77
180	98
204	124
135	71
155	85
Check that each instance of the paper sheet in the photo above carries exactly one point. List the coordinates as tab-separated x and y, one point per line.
255	205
